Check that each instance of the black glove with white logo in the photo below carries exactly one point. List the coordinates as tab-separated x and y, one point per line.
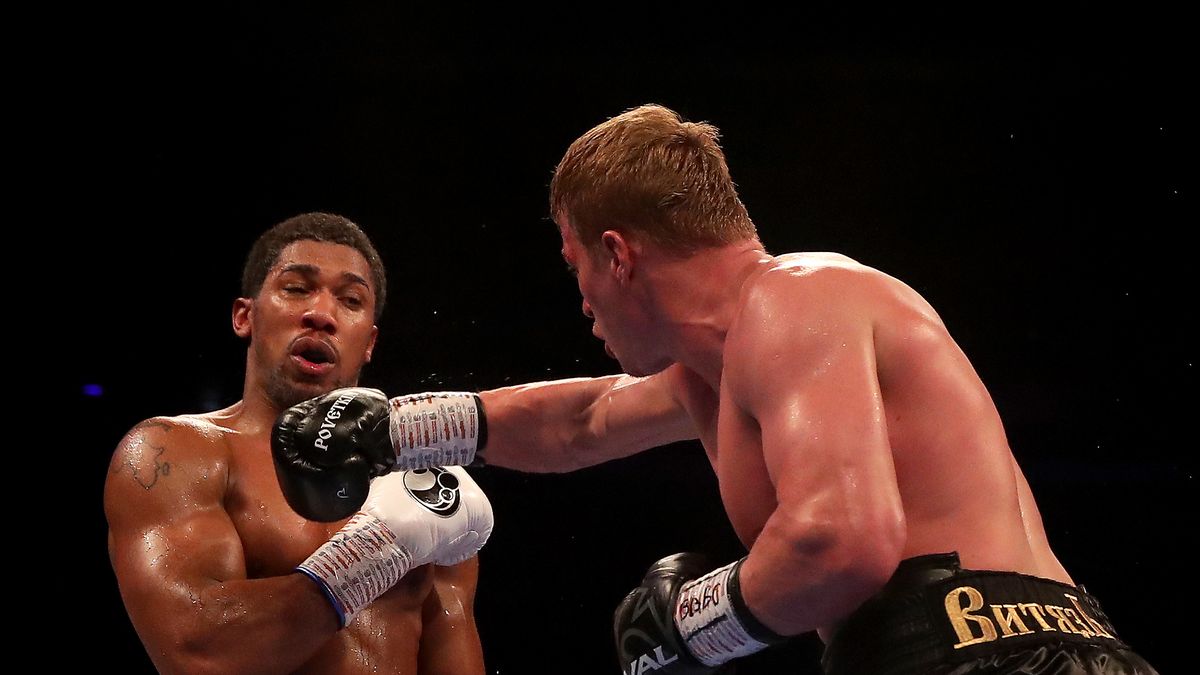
327	450
683	621
644	624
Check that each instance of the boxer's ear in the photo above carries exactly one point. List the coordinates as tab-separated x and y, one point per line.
242	312
617	254
371	344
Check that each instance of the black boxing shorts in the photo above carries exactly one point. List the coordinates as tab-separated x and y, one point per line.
935	618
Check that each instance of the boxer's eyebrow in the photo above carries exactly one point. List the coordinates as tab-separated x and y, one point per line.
301	269
352	278
310	271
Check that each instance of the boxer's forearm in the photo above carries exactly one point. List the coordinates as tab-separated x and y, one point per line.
271	625
806	574
563	425
542	426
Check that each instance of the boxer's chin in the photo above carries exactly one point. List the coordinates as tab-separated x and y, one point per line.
285	391
641	369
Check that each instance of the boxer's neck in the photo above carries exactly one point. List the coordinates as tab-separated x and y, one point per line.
257	412
697	299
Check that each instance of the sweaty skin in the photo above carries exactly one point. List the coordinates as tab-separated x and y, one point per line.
846	428
889	442
201	518
204	545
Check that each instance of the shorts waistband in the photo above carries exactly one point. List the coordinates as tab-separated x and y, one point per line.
933	612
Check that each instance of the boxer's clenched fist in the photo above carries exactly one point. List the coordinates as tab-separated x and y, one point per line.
410	518
327	449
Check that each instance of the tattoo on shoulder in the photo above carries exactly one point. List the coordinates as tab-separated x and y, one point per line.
140	447
152	424
146	477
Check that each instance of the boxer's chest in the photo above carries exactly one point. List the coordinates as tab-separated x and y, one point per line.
274	537
384	637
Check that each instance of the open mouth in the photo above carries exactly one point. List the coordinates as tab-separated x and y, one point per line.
313	355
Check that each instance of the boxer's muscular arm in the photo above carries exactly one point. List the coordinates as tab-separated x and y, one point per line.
179	564
565	425
449	637
838	531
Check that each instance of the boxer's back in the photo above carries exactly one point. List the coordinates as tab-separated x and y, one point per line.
960	486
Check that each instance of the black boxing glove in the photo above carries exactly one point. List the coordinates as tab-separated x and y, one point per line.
681	621
327	449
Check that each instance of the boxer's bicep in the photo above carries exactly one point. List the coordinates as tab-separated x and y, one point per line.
823	424
814	393
449	637
169	534
837	530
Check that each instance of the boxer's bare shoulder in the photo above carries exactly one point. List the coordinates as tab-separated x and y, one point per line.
817	259
822	284
164	472
158	448
163	499
818	266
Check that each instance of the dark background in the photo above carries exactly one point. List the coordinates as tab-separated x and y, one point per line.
1021	168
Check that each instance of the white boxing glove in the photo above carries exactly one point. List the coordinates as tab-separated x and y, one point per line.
410	518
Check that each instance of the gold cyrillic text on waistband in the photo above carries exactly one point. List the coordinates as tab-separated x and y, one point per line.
973	628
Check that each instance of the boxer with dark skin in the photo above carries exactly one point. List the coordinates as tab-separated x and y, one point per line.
204	545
